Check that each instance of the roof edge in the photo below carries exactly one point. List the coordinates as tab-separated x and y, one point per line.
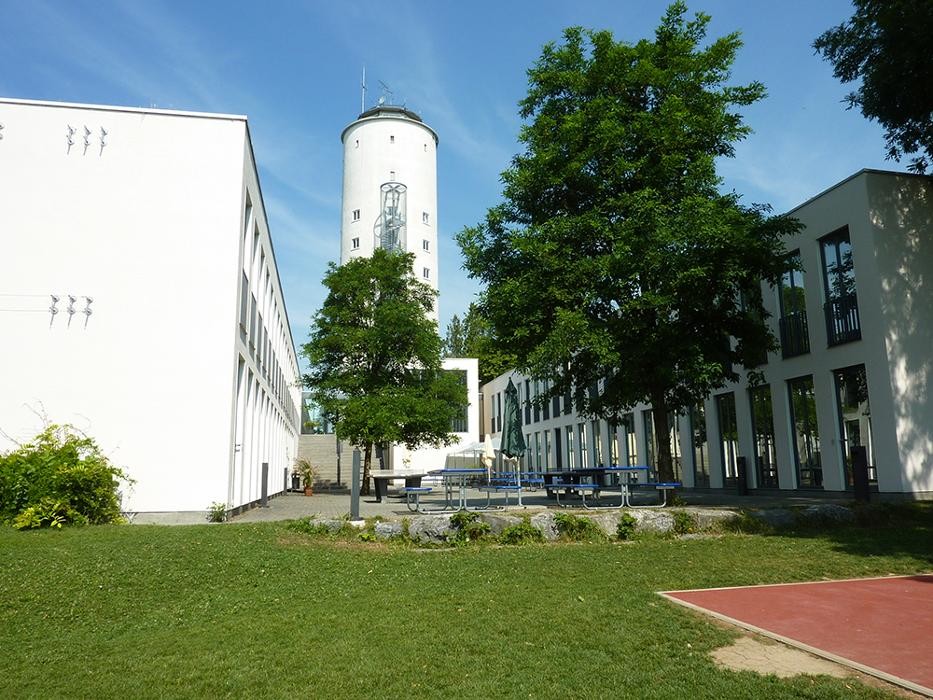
119	108
857	173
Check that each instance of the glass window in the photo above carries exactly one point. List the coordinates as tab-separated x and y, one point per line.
426	273
651	449
568	438
631	444
546	447
537	450
673	423
597	444
763	437
356	214
728	437
535	406
614	444
841	307
700	446
545	405
806	433
355	243
426	245
527	401
459	423
854	418
425	219
584	441
795	337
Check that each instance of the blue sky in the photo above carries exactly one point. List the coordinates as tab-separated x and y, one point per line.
294	69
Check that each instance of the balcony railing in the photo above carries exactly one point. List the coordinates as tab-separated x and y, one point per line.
795	336
842	320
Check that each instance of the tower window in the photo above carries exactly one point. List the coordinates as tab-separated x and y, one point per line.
391	176
425	148
356	214
426	244
391	139
426	273
425	218
355	243
358	144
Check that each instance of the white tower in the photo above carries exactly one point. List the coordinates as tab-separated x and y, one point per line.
390	188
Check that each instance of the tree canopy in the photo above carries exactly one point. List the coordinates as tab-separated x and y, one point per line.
475	337
375	358
614	266
886	44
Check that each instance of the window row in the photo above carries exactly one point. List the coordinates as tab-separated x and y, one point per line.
355	216
582	444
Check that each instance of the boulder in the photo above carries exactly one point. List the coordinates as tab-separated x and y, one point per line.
709	518
828	513
775	517
430	528
386	530
545	523
498	522
652	520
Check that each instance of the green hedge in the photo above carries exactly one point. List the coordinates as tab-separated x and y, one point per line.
60	477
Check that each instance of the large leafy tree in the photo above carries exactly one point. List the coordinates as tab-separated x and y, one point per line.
475	337
886	43
615	266
375	358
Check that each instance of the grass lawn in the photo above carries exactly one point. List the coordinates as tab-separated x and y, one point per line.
261	611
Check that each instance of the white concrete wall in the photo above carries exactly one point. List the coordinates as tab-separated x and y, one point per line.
150	227
375	148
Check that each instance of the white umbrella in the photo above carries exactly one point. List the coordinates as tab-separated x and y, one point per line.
489	456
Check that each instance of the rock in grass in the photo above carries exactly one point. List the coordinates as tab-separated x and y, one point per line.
709	518
827	513
430	528
498	522
546	524
387	530
652	520
775	517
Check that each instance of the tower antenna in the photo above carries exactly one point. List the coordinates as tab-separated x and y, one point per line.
363	91
386	94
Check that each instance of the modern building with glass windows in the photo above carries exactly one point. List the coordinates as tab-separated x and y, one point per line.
854	318
141	301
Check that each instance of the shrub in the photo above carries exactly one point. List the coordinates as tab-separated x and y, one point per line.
217	512
60	477
578	529
522	533
684	522
626	527
467	528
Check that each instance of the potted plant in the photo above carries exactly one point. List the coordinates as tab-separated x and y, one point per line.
306	471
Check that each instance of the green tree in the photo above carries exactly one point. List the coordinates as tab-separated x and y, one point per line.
615	258
475	337
375	358
886	43
454	341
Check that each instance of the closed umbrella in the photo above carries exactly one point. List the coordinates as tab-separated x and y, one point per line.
513	442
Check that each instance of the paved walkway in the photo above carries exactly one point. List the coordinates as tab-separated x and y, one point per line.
879	626
328	505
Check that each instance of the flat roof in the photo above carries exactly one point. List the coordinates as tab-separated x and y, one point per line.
119	108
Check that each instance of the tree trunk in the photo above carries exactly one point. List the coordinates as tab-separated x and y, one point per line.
665	465
367	464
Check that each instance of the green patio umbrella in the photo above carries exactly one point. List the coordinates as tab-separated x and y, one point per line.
512	443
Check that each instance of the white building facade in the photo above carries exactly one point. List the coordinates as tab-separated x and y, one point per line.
855	366
169	342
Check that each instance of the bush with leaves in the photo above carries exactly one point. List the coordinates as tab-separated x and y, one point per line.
467	528
578	529
626	527
61	477
522	533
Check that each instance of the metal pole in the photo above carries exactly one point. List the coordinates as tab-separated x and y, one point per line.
339	450
355	485
264	498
